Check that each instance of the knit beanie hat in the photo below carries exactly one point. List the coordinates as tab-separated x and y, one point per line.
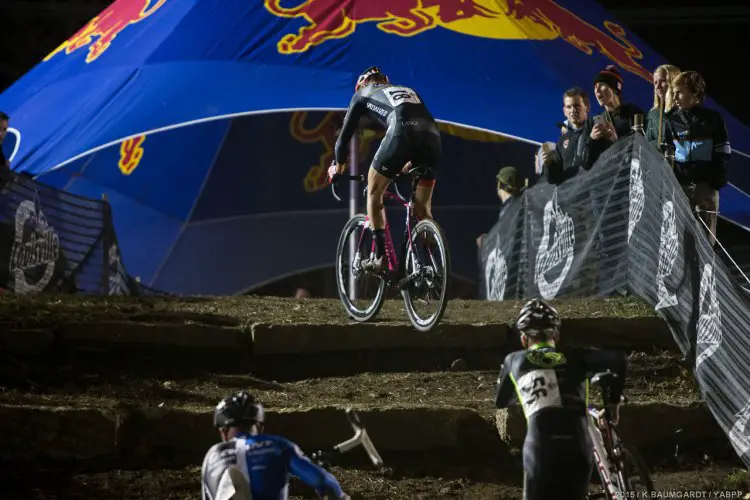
611	77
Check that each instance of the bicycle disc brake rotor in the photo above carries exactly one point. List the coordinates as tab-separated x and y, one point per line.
426	276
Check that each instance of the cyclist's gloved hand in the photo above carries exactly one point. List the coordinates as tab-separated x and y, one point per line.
335	168
614	412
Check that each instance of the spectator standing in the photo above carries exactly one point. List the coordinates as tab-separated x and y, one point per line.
702	150
663	103
618	115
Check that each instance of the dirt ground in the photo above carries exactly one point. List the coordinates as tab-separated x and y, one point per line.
651	377
184	484
21	311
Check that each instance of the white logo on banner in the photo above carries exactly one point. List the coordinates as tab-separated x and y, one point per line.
496	273
637	194
667	256
737	435
549	255
40	247
709	322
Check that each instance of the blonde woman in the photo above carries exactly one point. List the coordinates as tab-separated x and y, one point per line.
664	75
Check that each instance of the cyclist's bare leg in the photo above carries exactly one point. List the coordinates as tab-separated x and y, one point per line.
422	197
377	183
423	200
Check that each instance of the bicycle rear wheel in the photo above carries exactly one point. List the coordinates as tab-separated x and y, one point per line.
361	293
635	476
430	267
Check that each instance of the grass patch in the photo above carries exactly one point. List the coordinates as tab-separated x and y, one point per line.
737	480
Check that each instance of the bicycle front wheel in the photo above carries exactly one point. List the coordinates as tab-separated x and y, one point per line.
428	266
361	293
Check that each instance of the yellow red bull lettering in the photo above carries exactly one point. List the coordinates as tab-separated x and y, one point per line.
106	26
131	153
510	19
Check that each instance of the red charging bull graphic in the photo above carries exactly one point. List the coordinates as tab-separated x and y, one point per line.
504	19
326	132
106	26
581	34
331	19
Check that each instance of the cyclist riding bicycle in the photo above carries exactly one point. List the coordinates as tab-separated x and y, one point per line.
411	137
552	387
249	464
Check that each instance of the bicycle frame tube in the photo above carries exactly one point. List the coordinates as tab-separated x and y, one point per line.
601	457
390	250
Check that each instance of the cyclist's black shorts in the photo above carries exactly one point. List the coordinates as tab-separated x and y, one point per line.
557	468
419	144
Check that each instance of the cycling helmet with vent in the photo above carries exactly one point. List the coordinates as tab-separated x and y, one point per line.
367	75
238	409
538	318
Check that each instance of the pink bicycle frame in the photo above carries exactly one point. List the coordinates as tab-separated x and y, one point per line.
390	251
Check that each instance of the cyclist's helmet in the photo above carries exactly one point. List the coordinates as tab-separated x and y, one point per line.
238	409
538	318
367	75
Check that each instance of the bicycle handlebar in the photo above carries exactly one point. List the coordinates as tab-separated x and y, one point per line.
362	178
360	438
344	177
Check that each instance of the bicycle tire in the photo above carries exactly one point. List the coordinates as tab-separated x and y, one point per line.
634	460
357	314
416	321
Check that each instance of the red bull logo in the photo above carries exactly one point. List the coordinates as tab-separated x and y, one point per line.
581	34
329	19
131	152
325	132
504	19
106	26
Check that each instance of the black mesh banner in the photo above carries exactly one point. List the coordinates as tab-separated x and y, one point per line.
56	242
627	226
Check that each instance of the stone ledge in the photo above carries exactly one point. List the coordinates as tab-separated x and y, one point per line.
124	332
651	425
264	339
153	436
57	433
159	436
311	338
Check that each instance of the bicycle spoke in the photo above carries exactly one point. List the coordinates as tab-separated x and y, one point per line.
428	263
361	293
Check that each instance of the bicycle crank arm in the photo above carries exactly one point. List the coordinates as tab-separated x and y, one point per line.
360	438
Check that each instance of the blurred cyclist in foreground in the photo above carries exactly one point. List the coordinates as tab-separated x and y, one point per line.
249	464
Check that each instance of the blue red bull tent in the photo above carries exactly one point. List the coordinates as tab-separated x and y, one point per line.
207	123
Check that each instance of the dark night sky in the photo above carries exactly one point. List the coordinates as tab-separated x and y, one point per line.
708	37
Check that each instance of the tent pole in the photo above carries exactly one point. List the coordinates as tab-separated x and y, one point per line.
354	188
